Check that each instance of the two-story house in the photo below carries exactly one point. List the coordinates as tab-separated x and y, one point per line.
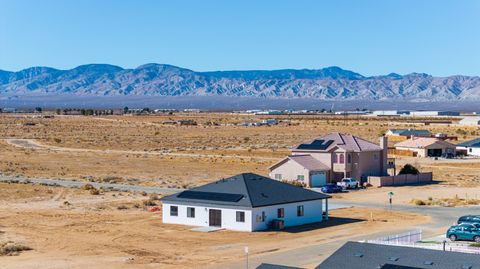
330	158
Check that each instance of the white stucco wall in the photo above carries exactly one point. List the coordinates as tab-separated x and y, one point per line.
470	151
312	213
229	220
290	170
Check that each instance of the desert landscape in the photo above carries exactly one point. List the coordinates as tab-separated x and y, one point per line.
55	227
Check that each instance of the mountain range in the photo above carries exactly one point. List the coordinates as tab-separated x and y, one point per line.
331	83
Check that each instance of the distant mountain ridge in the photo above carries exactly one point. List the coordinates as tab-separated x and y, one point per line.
330	83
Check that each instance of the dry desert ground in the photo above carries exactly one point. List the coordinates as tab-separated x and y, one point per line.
72	228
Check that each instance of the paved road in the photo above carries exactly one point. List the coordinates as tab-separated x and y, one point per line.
442	217
78	184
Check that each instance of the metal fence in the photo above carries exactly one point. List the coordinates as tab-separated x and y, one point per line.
404	238
414	239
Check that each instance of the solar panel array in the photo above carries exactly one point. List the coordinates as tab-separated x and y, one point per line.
316	145
211	196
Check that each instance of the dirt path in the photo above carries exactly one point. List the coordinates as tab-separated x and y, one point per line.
36	145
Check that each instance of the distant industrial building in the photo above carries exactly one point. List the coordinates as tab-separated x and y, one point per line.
9	110
471	121
391	113
415	113
434	113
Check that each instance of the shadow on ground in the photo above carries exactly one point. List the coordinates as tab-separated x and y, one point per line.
332	221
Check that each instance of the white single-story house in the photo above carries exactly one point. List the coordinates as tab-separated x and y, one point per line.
245	202
426	146
470	148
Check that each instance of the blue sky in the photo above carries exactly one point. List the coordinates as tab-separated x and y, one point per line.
439	37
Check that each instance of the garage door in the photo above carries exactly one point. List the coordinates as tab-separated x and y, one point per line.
319	179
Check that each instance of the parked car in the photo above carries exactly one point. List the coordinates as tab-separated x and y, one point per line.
331	188
464	231
469	219
349	183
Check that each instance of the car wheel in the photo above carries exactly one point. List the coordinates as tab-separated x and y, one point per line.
453	237
476	239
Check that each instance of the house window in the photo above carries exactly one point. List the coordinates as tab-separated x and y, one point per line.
240	216
349	158
263	216
375	156
470	149
190	212
280	213
300	177
278	176
173	211
300	211
341	158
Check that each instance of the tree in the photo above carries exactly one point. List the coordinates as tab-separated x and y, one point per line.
125	110
409	169
38	109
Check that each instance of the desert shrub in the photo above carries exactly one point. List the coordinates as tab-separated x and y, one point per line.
57	140
409	169
94	191
154	196
149	202
87	187
294	183
418	202
122	207
476	245
11	249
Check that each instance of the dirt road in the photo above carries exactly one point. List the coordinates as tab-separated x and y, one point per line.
36	145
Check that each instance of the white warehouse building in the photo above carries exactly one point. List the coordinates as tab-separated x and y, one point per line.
470	121
245	202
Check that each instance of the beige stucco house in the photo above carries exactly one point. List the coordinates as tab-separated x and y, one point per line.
426	146
332	157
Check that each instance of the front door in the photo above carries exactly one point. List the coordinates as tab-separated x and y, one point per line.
215	217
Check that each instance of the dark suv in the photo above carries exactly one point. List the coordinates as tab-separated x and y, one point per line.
469	219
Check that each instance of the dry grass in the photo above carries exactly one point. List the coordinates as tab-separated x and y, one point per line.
445	202
145	143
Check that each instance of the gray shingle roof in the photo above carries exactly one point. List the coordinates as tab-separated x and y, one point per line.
475	143
309	163
347	142
384	256
256	191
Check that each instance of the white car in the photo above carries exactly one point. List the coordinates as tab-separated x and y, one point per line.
349	183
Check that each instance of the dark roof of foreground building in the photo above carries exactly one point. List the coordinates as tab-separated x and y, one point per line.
475	143
354	255
275	266
245	190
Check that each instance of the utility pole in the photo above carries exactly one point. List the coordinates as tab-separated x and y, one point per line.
246	255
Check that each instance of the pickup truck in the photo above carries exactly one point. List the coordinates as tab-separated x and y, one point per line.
349	183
